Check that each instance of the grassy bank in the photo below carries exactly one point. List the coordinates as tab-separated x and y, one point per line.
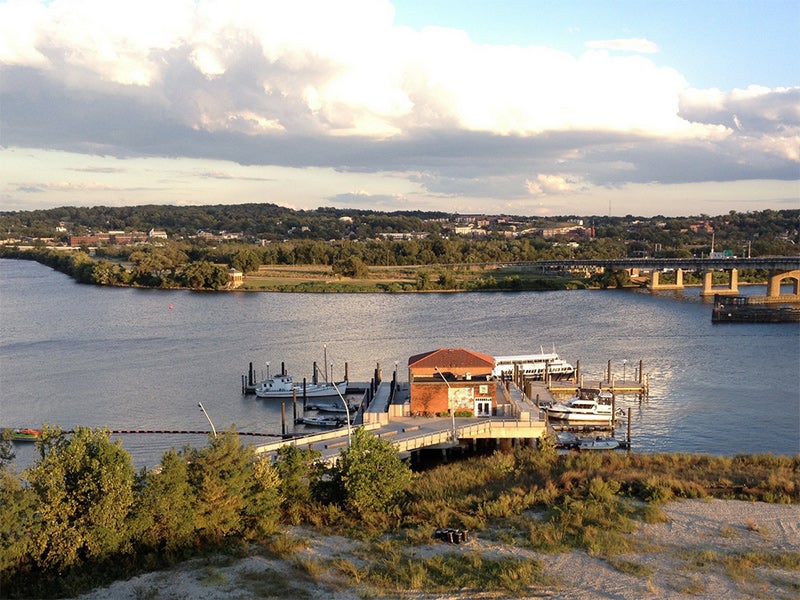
320	278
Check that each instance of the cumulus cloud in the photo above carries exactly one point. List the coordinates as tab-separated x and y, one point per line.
305	84
550	184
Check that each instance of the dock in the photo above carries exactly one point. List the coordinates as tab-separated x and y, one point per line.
522	423
743	309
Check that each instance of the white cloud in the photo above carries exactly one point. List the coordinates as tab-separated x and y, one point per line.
550	184
640	45
320	66
340	88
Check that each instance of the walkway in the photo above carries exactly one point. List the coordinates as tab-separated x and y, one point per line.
408	434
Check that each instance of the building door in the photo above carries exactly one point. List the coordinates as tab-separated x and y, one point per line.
483	407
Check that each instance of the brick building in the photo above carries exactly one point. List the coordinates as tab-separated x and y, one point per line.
452	377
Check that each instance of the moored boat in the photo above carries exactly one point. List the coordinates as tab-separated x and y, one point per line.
323	421
533	366
334	408
25	435
584	410
598	443
283	386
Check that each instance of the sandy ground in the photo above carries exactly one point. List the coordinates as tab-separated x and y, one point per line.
682	558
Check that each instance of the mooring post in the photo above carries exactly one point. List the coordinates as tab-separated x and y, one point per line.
578	370
346	371
628	433
283	368
641	378
378	374
294	405
613	408
251	379
608	372
283	419
304	395
313	376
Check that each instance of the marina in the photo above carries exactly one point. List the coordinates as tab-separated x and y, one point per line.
522	408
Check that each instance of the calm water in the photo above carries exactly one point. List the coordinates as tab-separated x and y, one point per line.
73	355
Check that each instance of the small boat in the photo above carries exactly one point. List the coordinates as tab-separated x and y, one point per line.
566	439
322	421
334	408
283	386
585	410
598	443
25	435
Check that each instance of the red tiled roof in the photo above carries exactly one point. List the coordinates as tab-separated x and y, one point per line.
451	357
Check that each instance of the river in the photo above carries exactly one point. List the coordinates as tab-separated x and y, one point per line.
122	358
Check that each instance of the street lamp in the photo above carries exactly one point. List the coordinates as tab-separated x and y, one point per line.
624	362
346	410
449	405
200	404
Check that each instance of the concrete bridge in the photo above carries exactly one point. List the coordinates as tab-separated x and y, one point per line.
781	268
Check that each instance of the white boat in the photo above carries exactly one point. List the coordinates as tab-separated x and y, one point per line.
333	408
598	443
592	410
533	366
284	387
320	421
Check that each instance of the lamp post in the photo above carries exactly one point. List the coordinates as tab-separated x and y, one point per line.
346	411
449	404
624	362
213	429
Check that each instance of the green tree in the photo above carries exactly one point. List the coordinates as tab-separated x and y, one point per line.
204	274
351	267
165	506
84	492
246	260
7	453
16	512
235	493
298	475
370	475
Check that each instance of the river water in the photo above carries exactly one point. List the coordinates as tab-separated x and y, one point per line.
121	358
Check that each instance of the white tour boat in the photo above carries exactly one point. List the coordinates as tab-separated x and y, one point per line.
533	366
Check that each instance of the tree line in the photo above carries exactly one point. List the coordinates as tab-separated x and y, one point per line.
82	513
767	232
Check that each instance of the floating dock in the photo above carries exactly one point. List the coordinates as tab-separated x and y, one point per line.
739	309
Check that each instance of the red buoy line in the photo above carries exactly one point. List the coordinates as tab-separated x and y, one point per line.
185	431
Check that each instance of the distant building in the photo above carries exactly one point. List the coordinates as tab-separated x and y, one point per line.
157	234
235	278
405	235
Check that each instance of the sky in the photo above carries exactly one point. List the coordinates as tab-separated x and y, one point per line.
519	107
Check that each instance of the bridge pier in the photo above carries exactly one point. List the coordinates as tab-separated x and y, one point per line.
731	290
655	285
777	277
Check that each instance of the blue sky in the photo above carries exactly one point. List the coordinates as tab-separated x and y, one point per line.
514	107
720	43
